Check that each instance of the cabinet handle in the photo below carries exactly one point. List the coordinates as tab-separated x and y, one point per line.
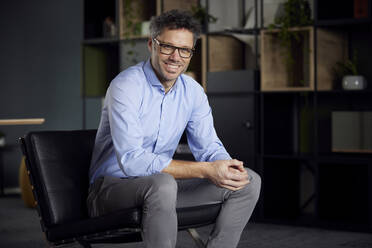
247	125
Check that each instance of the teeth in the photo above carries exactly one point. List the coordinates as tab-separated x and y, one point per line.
175	65
172	67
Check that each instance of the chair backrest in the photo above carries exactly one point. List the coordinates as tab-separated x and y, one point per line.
58	162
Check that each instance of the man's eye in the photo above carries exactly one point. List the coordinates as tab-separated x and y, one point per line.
167	47
185	50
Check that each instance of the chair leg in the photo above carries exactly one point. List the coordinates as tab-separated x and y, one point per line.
195	236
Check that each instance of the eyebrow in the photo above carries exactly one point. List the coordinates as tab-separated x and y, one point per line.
167	43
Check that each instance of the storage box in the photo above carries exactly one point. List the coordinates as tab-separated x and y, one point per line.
220	53
331	48
226	53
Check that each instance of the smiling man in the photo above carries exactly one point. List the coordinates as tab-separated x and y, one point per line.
146	110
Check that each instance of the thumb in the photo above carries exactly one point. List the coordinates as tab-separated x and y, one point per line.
239	165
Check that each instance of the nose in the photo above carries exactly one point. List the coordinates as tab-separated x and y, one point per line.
175	55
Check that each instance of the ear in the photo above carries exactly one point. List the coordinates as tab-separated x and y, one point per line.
149	45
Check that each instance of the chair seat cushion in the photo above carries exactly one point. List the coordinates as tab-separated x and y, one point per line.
202	215
128	218
189	217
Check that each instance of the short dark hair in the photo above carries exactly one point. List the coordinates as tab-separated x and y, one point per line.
175	19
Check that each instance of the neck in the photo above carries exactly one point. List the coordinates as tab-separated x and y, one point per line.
168	85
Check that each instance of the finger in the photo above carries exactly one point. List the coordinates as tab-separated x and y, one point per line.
229	187
239	165
242	173
232	188
234	184
241	168
237	162
238	176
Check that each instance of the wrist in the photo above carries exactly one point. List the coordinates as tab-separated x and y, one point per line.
207	168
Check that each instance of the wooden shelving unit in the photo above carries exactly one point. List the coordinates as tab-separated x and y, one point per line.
301	170
214	52
280	129
331	48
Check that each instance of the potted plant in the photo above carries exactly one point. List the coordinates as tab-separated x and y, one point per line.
297	13
132	22
347	72
131	19
200	13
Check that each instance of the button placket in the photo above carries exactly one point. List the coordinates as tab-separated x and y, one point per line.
159	141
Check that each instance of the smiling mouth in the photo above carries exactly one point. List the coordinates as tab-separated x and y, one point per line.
172	67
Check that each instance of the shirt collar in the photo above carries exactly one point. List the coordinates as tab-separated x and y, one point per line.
153	79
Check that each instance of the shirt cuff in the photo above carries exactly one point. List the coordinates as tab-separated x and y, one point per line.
220	156
160	163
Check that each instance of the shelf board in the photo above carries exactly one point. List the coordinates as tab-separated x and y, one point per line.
288	156
100	41
344	157
342	22
246	31
288	90
103	41
244	93
340	91
319	23
134	37
324	157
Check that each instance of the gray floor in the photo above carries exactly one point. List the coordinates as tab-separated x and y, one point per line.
19	227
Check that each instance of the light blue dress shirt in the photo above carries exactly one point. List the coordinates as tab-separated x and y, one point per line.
141	126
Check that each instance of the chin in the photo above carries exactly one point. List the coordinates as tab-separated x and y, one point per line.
171	76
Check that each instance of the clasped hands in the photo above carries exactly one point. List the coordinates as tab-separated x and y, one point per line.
229	174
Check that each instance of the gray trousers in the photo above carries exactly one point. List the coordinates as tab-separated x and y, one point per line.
160	194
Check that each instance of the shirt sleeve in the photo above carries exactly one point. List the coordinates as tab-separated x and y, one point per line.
201	134
124	100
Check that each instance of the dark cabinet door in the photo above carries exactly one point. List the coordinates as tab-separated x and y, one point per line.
234	124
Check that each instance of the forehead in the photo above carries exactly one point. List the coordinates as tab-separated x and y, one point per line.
177	37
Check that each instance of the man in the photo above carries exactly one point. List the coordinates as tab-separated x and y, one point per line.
146	110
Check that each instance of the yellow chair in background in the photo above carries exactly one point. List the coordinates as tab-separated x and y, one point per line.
25	185
24	181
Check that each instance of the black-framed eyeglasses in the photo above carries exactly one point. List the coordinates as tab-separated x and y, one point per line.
169	49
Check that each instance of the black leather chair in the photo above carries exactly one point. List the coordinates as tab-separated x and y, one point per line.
58	163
